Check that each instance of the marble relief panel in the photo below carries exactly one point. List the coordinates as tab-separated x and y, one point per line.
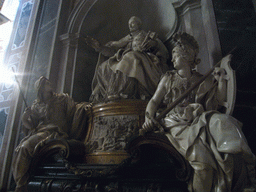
111	133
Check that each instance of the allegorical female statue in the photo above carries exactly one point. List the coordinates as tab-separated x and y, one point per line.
134	66
49	117
211	141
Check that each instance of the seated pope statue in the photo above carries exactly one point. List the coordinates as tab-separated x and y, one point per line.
49	117
212	142
129	68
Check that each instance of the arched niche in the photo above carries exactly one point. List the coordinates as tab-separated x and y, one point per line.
105	20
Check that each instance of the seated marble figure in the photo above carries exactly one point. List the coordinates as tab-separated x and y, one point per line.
51	116
134	66
212	142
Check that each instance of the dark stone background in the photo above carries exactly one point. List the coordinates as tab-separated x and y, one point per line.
236	21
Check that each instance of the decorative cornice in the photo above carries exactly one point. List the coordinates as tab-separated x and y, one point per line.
183	6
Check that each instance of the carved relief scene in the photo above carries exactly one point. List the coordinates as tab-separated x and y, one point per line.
141	100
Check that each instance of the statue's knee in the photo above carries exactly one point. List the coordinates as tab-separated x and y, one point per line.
221	122
220	117
201	168
27	147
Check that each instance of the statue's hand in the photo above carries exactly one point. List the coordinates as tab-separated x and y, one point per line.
95	44
27	113
147	126
27	119
149	44
111	44
219	74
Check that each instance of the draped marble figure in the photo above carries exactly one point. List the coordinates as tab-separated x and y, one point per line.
212	142
129	68
49	117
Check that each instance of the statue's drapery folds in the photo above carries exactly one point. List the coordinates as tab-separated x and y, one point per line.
211	141
129	73
51	116
134	70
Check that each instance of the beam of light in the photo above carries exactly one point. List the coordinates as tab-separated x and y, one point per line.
7	76
9	9
5	73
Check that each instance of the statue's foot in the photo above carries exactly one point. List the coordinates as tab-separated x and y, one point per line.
125	96
113	97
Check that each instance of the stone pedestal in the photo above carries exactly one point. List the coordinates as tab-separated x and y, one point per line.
112	125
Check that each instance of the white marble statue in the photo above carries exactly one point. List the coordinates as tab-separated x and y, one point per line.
133	67
212	142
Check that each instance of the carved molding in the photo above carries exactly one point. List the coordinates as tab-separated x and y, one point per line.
66	149
183	6
70	39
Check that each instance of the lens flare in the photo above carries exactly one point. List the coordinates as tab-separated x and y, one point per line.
7	76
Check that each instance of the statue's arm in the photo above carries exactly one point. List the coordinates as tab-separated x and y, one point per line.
29	121
120	43
152	107
103	49
154	103
110	48
26	118
70	108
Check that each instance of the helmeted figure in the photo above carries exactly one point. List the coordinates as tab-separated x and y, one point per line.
212	142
